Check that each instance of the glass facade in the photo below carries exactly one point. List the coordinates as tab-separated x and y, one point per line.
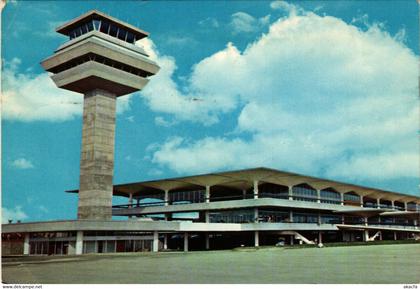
103	26
330	196
187	197
272	216
351	198
273	191
305	218
304	193
331	219
234	216
48	247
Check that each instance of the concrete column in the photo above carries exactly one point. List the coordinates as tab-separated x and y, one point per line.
380	235
207	194
292	240
342	219
130	200
361	201
97	156
26	244
366	221
130	203
165	241
319	237
166	198
256	215
393	205
395	236
415	223
155	241
255	189
291	193
244	194
365	235
405	206
207	237
318	196
256	239
185	242
291	216
342	199
79	242
378	203
207	216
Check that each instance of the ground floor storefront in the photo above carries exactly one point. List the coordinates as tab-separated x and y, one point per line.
79	242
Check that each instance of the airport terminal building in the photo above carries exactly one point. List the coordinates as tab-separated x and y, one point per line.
253	207
250	207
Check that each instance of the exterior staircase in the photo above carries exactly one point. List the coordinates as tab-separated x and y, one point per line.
297	236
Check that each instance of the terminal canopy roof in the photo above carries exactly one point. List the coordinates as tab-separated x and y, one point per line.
244	180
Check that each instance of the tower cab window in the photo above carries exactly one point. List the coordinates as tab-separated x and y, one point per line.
104	27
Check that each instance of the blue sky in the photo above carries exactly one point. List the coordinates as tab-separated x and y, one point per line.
325	88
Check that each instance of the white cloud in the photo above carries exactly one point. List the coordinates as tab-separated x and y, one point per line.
163	94
22	163
160	121
242	22
286	7
12	214
30	97
209	22
317	95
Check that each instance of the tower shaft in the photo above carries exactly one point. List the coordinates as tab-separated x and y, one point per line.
97	155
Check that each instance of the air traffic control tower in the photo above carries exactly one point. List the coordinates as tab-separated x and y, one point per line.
102	62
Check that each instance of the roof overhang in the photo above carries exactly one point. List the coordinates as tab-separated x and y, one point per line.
95	14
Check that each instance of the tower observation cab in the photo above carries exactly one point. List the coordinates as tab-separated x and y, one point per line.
100	61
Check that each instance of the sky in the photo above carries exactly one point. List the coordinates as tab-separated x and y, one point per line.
323	88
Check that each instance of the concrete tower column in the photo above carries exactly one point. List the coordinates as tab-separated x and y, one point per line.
76	66
244	194
166	198
342	199
207	216
155	241
291	193
185	242
255	189
405	206
97	158
26	244
378	203
393	204
291	216
79	242
366	221
361	201
395	236
207	194
318	196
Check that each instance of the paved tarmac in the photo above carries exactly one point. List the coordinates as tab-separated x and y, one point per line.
356	264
